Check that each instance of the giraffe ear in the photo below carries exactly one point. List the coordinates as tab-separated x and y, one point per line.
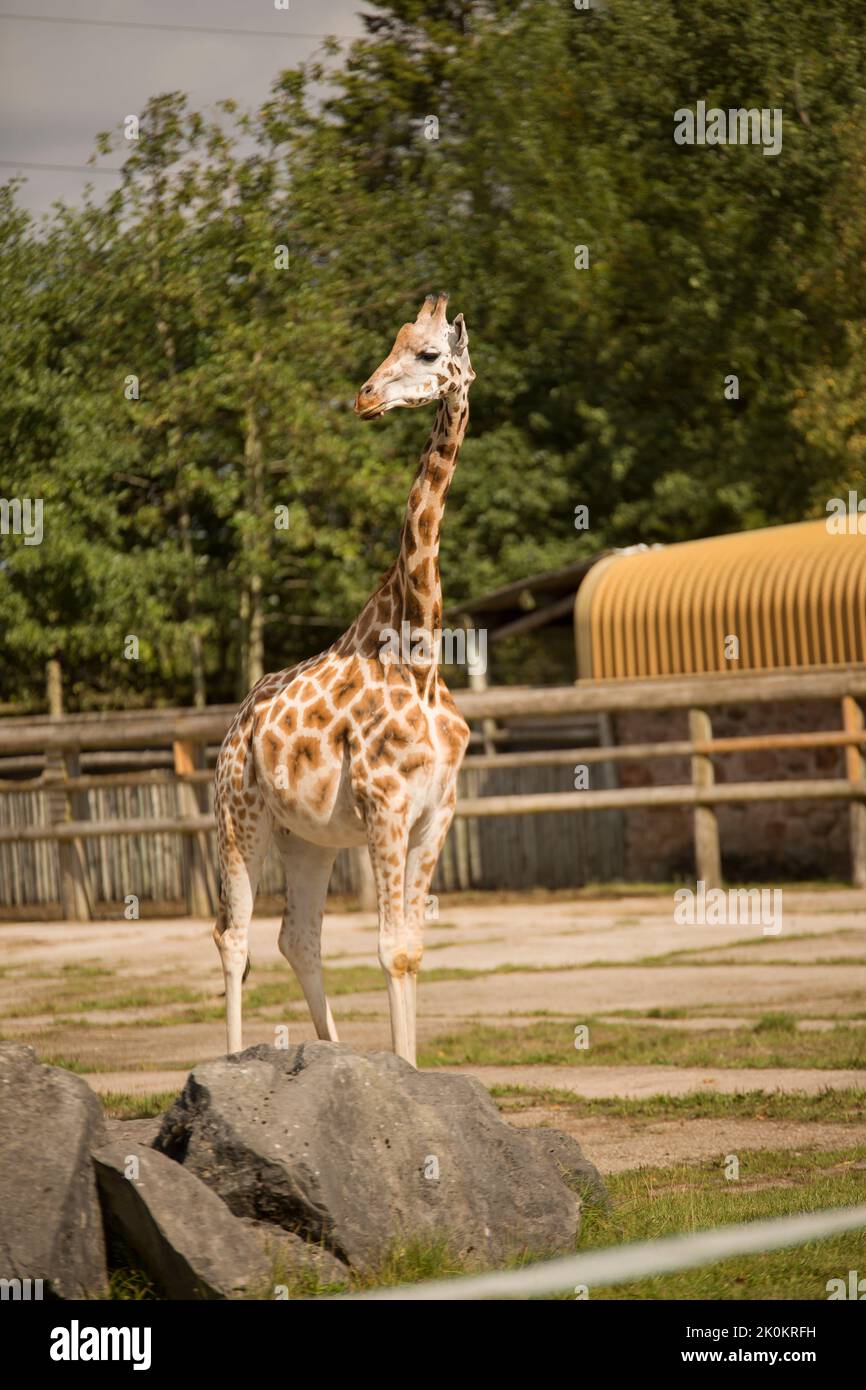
459	335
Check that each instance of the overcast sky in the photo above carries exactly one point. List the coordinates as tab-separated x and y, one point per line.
60	83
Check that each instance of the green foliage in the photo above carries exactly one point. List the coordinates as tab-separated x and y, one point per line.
602	386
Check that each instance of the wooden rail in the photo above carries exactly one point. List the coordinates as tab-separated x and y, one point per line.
547	757
538	803
673	748
187	733
159	728
665	692
629	798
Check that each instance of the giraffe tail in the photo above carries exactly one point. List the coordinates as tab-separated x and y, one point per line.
247	968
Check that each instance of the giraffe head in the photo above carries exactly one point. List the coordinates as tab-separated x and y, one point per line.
429	360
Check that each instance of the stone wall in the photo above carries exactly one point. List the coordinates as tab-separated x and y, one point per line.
760	841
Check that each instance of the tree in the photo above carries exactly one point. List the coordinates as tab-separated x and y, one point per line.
671	336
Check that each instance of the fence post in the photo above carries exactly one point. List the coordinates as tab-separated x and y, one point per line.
192	801
489	728
478	681
855	770
76	897
708	859
75	894
611	826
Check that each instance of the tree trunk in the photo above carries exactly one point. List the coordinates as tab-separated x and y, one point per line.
175	453
242	684
199	688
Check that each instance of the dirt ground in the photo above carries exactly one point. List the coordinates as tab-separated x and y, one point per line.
133	1005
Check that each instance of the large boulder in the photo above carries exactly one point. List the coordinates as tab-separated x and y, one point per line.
50	1224
359	1151
180	1232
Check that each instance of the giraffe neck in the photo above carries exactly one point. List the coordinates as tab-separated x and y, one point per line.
411	592
416	588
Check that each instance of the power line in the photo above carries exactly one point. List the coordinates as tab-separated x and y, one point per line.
57	168
174	28
136	24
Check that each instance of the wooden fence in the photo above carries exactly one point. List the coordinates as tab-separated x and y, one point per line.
58	821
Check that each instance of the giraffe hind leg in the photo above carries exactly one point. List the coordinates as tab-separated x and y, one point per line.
308	873
241	855
219	929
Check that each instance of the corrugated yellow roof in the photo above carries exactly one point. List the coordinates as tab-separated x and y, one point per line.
791	595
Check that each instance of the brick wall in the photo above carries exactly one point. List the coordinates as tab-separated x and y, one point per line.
760	841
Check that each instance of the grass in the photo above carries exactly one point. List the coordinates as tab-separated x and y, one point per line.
776	1023
275	986
94	1066
85	970
844	1106
65	997
772	1042
694	955
129	1284
55	1059
802	964
711	1010
464	941
658	1202
33	970
119	1105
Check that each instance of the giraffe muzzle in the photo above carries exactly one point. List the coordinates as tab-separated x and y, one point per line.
368	403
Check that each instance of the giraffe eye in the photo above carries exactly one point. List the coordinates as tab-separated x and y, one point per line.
429	355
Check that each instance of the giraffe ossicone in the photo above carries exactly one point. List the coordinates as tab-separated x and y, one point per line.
348	748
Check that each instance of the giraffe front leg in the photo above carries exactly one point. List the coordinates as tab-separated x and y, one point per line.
387	839
425	845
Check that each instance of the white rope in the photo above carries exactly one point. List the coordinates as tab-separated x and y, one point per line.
623	1263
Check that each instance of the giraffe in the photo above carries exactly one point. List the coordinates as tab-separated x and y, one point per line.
358	745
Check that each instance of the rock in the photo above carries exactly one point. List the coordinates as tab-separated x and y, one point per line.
290	1255
359	1151
50	1224
575	1168
186	1239
132	1131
